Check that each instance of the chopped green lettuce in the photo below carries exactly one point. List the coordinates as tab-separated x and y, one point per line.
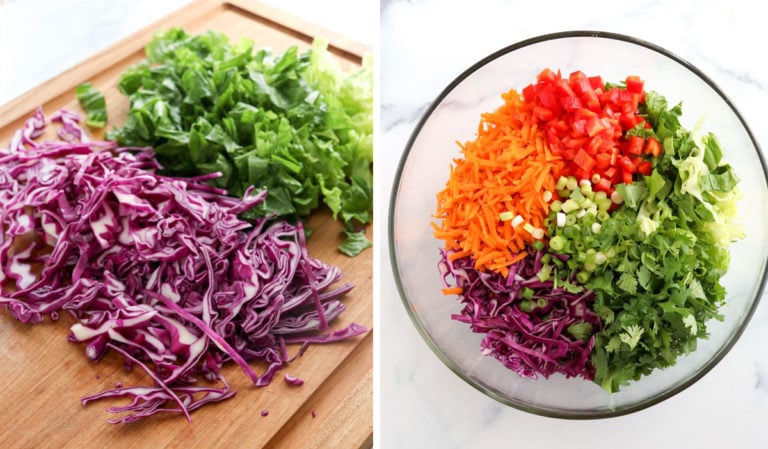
92	100
293	123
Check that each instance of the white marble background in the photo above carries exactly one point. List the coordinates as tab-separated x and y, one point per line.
424	45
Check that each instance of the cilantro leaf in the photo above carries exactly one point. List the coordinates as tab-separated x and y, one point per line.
632	335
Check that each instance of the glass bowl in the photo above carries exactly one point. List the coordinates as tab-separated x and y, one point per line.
453	117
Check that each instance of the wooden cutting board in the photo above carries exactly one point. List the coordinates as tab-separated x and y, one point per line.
43	377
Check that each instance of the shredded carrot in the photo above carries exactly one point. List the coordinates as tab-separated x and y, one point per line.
453	291
504	170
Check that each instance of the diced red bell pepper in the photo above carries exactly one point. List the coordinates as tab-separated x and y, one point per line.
627	165
596	125
584	123
563	89
645	168
551	135
580	173
529	94
603	185
635	145
611	96
626	177
628	120
579	82
634	84
596	82
574	142
580	126
543	114
546	75
591	101
548	99
653	147
584	161
560	126
570	103
602	161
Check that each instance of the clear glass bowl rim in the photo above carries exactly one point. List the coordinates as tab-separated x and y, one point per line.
394	197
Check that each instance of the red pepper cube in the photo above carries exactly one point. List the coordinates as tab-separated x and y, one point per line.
596	82
653	147
645	168
603	185
563	88
595	145
543	113
595	126
627	165
634	84
529	93
584	161
571	103
546	75
602	161
635	145
626	177
591	101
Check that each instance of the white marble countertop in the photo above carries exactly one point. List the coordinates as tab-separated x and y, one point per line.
425	44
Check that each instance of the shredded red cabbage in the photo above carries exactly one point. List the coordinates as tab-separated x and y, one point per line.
293	380
533	340
160	270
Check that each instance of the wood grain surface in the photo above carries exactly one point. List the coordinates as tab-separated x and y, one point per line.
43	377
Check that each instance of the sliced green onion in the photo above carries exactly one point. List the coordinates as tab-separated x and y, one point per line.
561	218
557	243
570	205
600	258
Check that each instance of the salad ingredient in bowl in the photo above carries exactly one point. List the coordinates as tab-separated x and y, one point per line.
588	229
616	215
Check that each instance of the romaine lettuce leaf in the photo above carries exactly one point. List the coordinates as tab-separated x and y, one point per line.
291	122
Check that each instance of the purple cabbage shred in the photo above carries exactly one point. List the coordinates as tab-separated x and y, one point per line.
160	270
529	336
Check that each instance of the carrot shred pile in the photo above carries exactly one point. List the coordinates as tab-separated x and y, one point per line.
495	192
